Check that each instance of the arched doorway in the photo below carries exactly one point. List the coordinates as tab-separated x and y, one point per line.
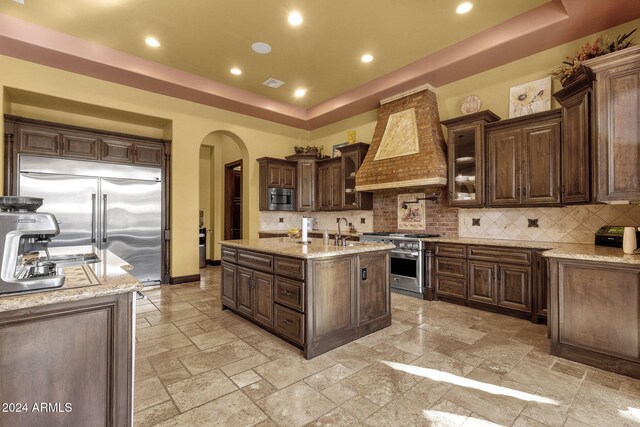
222	200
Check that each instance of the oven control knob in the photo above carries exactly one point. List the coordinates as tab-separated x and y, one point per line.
401	245
414	246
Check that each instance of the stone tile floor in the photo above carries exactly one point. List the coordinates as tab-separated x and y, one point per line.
438	364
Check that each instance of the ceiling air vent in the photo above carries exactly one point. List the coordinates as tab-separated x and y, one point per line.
274	83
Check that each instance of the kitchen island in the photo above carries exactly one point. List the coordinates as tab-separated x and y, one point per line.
66	354
314	296
594	311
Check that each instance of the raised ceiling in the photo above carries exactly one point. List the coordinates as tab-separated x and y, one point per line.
412	41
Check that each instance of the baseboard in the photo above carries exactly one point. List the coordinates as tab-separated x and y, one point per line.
213	262
184	279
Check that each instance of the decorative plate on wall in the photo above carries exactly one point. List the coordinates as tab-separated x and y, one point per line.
471	104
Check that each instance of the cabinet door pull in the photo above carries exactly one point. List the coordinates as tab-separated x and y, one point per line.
286	292
524	192
517	192
288	322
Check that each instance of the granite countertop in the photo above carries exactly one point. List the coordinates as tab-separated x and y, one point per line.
315	249
316	231
110	272
576	251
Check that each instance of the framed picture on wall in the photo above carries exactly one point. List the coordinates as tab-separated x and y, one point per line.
529	98
336	152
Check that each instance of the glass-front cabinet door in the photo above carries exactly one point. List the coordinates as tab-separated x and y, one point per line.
466	158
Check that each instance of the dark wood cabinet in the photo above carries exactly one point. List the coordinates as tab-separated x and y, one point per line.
82	146
617	125
576	101
255	295
593	313
228	288
77	353
330	185
352	156
523	156
317	304
275	173
465	151
38	140
373	289
540	287
487	277
117	150
306	181
147	154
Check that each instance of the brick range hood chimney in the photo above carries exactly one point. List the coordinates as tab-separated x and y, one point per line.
408	148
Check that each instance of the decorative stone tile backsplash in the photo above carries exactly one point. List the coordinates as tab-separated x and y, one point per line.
271	220
571	224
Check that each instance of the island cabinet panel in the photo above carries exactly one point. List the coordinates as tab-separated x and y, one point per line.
374	302
289	293
317	304
594	313
289	323
332	296
77	353
229	272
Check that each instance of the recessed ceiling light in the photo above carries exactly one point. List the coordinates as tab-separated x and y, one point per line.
295	18
260	47
236	71
151	41
366	58
300	93
464	7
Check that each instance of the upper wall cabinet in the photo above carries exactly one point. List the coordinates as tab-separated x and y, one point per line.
352	157
617	125
575	100
465	151
275	173
523	161
306	181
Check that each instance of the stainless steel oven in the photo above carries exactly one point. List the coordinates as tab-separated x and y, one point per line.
410	262
281	199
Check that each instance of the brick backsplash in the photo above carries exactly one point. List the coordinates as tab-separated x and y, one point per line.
570	224
440	219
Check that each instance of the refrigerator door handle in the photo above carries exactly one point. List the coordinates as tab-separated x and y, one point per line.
104	218
93	217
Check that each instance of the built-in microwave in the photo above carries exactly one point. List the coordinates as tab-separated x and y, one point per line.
281	199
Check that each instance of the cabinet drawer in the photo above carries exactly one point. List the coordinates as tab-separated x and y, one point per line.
255	260
448	250
289	323
289	267
290	293
454	267
510	255
229	254
451	286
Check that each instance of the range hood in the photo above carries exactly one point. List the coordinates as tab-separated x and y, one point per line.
408	148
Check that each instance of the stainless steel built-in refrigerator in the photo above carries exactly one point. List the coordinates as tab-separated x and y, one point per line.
115	207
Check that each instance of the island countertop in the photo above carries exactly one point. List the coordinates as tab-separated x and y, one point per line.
110	272
315	249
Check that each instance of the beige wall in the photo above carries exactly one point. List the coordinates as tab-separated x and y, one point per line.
491	86
188	125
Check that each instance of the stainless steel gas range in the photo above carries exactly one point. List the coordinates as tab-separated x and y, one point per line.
411	261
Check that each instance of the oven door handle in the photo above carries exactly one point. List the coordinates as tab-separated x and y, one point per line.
404	254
